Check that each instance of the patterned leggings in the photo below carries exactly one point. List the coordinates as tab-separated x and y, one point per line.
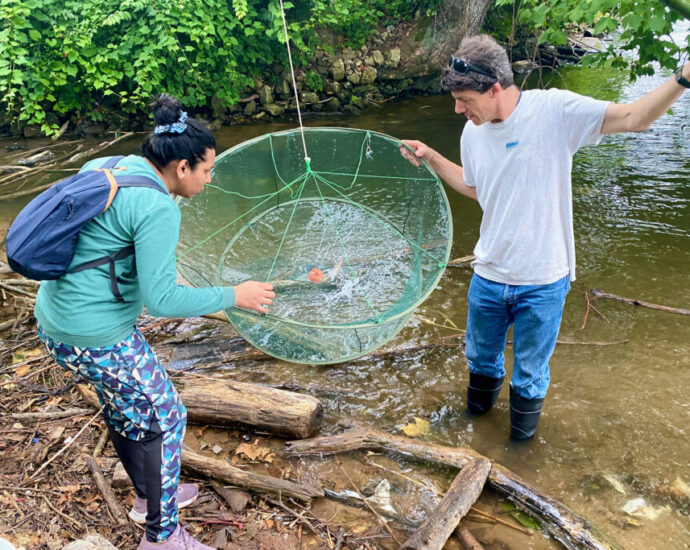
144	415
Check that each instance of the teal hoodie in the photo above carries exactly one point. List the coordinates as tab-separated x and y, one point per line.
80	310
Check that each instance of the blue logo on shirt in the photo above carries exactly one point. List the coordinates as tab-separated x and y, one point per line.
511	144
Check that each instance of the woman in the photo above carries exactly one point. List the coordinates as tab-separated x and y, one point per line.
87	318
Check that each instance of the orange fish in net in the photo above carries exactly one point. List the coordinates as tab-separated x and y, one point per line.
315	275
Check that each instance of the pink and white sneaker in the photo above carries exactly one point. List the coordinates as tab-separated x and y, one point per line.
186	495
179	540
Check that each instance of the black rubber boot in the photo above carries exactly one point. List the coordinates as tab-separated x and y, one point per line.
524	416
482	392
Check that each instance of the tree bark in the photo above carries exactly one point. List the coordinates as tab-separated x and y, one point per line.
227	403
461	495
216	469
574	531
442	35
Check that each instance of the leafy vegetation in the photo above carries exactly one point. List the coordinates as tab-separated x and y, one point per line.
75	57
643	27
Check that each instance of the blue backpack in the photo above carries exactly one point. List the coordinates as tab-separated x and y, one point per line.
42	240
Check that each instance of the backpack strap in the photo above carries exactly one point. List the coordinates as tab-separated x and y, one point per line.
118	181
110	260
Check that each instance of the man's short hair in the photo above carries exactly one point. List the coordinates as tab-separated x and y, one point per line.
485	53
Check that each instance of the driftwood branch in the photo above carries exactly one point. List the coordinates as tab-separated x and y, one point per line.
107	492
601	294
467	539
104	145
574	531
222	471
461	495
461	262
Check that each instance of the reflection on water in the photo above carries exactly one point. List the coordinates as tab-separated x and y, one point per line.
619	410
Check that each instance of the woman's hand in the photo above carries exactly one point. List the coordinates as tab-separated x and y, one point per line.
254	295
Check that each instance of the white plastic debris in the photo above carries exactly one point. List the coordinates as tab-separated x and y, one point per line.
382	497
637	507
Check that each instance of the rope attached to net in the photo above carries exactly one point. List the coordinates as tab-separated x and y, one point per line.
307	159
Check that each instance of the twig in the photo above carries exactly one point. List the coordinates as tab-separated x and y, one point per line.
488	516
73	521
16	290
49	415
67	445
381	520
30	375
589	304
101	443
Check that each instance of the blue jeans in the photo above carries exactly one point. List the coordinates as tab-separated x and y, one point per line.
535	312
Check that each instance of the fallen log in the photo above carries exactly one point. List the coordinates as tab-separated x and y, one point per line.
572	530
461	495
103	145
227	403
222	471
601	294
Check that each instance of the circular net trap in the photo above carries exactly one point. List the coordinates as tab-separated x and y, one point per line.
352	240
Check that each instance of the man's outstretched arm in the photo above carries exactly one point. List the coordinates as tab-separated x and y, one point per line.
448	171
638	116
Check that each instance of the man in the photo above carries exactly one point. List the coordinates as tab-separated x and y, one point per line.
516	162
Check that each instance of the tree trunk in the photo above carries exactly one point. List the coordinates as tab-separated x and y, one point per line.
429	45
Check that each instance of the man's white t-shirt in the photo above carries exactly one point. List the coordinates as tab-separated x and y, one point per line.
521	170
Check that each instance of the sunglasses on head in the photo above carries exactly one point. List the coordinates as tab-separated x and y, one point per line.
463	67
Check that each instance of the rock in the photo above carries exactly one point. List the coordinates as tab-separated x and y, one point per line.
390	28
214	125
38	158
283	89
237	499
368	76
265	95
90	542
260	115
352	109
338	69
250	108
524	66
32	131
120	478
310	97
333	105
369	61
354	78
274	109
364	90
257	84
378	57
364	49
357	101
218	107
348	54
394	58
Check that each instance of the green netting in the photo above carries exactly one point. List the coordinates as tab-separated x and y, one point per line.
378	228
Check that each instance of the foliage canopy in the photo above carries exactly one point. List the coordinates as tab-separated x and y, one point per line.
76	56
643	27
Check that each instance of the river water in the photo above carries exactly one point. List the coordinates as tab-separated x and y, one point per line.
617	412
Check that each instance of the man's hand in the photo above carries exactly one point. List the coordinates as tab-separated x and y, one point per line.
254	295
419	151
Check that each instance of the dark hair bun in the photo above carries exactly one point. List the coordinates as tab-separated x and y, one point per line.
166	109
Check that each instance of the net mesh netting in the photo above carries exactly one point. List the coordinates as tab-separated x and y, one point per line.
352	241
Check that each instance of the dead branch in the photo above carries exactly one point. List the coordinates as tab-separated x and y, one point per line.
442	521
107	492
104	145
48	415
565	525
601	294
467	539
